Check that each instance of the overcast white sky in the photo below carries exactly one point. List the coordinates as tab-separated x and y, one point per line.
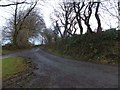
106	19
47	9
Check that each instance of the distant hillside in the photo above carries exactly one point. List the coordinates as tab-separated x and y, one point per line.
99	48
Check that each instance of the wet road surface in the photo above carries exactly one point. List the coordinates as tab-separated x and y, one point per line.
56	72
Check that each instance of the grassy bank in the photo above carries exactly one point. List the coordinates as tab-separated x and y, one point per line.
12	66
16	72
98	48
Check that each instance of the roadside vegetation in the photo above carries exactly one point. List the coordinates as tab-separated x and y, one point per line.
5	52
9	48
0	68
101	47
12	66
16	70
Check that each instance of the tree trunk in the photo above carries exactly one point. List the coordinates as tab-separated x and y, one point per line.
78	15
80	25
87	17
119	14
89	30
66	24
15	27
99	28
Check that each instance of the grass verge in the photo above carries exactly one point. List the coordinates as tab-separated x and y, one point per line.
16	72
12	66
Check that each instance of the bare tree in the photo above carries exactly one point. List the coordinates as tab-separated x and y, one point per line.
78	6
30	28
23	22
57	29
24	2
87	14
66	17
99	28
16	28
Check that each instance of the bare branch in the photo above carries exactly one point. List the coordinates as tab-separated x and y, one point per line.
14	4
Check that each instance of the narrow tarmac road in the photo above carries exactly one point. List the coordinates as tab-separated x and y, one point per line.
56	72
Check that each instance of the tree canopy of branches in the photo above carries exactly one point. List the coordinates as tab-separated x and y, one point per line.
21	20
30	27
74	16
24	24
13	4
